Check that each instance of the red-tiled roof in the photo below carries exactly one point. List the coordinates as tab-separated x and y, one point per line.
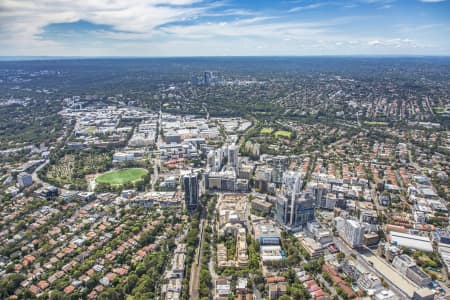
274	279
69	289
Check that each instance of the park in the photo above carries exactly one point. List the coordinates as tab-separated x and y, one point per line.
122	176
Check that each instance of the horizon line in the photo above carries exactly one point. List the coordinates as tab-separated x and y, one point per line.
4	58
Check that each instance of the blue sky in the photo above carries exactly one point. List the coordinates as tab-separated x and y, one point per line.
224	27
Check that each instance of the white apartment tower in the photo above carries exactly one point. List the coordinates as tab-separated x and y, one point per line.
353	233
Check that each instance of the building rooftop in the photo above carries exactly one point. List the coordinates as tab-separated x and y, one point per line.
411	241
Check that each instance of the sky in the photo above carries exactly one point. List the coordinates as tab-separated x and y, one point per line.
224	27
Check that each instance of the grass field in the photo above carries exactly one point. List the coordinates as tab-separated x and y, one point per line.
376	123
441	109
122	176
283	134
267	130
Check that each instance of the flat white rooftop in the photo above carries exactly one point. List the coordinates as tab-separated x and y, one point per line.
411	241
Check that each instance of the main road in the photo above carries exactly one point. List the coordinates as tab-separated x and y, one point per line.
157	159
35	176
65	137
400	285
196	265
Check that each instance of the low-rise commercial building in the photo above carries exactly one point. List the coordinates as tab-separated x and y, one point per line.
271	255
277	290
267	234
24	179
261	206
313	248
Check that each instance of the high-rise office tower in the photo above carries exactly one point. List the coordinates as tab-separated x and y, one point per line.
280	164
294	208
233	155
191	187
210	160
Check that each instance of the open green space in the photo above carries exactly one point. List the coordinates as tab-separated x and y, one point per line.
283	134
71	168
122	176
441	109
266	130
373	123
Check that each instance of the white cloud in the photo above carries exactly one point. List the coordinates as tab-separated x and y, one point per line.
23	20
393	43
141	29
423	28
307	7
254	27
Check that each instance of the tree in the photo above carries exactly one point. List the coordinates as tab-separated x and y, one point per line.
292	259
327	277
131	282
147	237
10	284
298	292
205	279
290	275
109	294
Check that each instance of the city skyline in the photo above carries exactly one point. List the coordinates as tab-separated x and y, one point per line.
224	28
